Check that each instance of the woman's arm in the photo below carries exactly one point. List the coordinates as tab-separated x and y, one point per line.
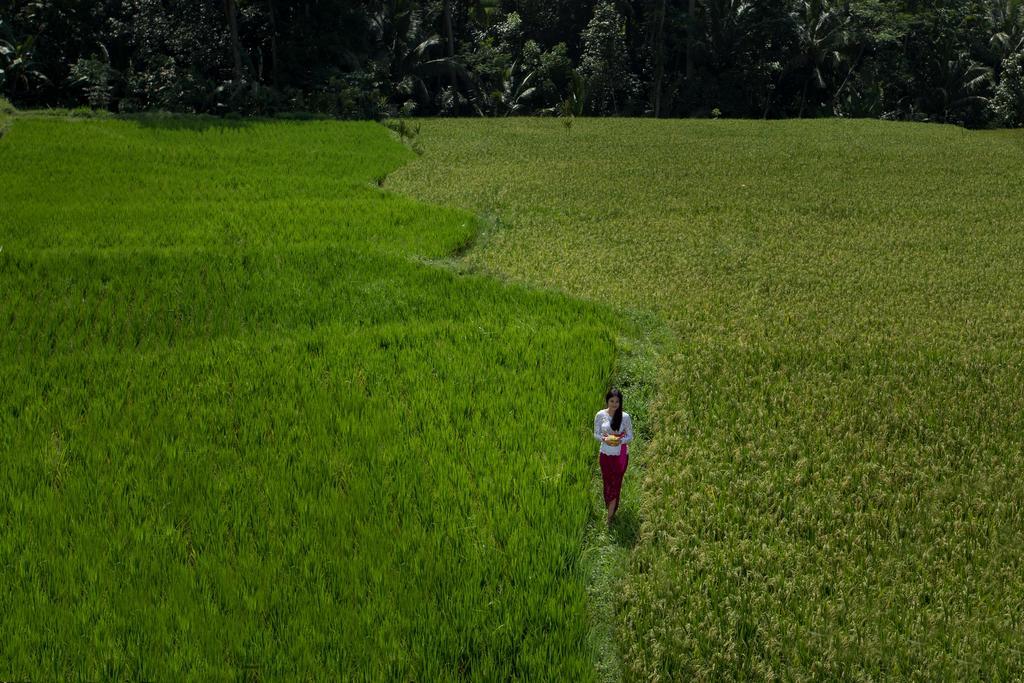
627	423
597	428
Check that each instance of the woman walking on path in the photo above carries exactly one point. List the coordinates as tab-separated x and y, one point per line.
614	429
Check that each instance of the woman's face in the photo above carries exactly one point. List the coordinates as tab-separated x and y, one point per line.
613	404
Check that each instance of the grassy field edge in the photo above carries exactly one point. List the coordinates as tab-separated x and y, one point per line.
607	550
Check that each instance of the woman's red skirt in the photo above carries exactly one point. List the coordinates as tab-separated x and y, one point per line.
612	469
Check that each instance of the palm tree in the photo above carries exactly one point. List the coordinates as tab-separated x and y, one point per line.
822	29
1007	17
1007	21
17	64
515	90
957	85
727	23
404	54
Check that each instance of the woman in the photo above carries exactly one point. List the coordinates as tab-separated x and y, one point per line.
614	429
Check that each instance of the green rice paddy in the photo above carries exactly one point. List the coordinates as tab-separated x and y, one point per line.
835	488
252	424
248	431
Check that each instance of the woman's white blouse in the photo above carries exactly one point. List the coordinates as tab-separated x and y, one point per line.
603	427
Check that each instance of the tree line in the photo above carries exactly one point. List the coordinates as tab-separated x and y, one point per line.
959	61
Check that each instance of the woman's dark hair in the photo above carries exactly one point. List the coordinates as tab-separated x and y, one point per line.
617	417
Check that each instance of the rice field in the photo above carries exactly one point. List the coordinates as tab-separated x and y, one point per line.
834	488
249	431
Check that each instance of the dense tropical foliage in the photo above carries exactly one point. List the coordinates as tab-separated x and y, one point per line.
940	60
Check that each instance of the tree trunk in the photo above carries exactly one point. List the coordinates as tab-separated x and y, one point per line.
767	103
450	34
275	73
236	48
691	18
853	65
659	68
